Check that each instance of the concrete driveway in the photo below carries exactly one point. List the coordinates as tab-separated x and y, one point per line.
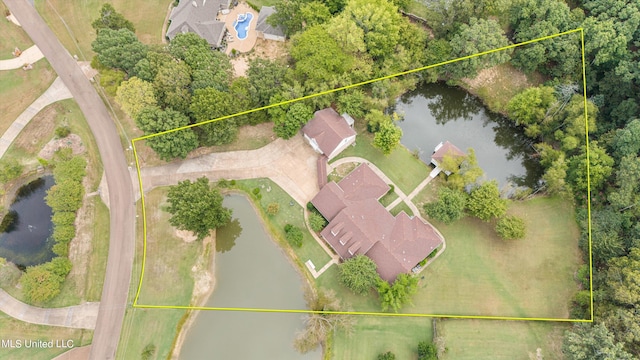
289	163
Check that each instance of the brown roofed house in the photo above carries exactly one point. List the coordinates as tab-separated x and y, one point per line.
329	132
444	149
360	224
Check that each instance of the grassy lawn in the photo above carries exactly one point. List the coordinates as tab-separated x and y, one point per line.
260	3
99	252
12	329
288	214
388	198
373	335
496	86
400	166
19	88
400	207
480	274
71	21
500	340
11	36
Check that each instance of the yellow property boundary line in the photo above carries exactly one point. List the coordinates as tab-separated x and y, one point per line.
144	217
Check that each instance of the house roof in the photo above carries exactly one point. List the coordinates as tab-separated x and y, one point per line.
360	224
262	24
328	129
447	149
198	16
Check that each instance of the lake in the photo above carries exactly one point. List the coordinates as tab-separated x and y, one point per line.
435	113
27	239
251	271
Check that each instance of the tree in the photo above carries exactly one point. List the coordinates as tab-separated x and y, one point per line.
531	106
9	170
65	196
172	86
119	49
625	195
623	277
480	35
387	356
397	295
586	342
351	102
135	94
427	351
266	78
387	138
600	168
555	177
627	140
196	207
359	274
380	22
449	207
176	144
317	222
297	115
210	104
294	235
485	202
511	228
42	283
321	323
111	19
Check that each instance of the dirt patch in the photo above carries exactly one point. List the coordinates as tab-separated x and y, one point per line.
270	49
40	128
73	141
80	247
250	137
186	235
240	66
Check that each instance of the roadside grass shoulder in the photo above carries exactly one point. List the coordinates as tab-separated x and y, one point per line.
19	88
71	21
373	335
488	340
400	166
11	36
12	329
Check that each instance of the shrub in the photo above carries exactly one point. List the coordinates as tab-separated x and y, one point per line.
317	222
310	206
510	228
62	132
63	218
255	191
392	189
427	351
449	207
9	170
293	235
61	248
273	208
41	283
387	356
64	233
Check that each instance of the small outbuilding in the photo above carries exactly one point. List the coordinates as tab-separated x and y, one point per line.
264	29
329	133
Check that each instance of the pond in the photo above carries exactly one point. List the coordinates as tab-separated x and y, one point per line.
436	113
26	239
251	271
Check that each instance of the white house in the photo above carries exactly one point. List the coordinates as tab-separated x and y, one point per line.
329	133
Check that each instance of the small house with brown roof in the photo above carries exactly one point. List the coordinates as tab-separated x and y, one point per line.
329	133
360	225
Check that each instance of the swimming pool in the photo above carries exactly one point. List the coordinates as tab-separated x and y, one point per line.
242	25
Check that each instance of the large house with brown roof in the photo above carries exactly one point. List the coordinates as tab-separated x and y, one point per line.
329	133
360	225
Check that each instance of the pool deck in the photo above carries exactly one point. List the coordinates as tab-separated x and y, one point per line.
247	44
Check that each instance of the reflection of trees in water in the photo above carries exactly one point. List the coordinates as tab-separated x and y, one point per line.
446	103
9	222
30	188
226	236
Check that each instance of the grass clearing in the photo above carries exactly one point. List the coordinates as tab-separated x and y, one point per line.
99	251
19	88
11	36
400	166
388	198
500	340
402	206
497	85
373	335
12	329
71	21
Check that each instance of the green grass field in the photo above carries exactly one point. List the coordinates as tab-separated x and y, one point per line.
11	36
402	206
71	21
400	166
19	88
373	335
12	329
500	340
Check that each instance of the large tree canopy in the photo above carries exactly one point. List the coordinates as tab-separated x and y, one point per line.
135	94
169	146
111	19
119	49
196	207
359	274
485	202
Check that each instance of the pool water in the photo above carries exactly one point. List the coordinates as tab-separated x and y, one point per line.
242	27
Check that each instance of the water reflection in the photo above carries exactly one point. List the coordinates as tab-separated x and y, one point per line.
226	236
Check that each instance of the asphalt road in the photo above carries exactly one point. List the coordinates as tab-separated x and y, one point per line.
122	209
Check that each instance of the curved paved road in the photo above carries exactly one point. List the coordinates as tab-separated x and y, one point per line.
122	214
77	317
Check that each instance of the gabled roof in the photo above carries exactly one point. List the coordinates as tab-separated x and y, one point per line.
262	24
198	16
328	129
329	200
363	183
411	240
447	149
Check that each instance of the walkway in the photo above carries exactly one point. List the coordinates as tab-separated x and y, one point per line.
29	56
56	92
78	317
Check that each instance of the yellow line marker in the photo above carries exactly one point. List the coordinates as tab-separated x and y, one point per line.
183	307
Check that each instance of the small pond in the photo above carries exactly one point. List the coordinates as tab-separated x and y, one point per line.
436	113
251	271
26	239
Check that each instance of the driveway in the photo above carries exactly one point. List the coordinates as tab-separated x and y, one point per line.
122	212
289	163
